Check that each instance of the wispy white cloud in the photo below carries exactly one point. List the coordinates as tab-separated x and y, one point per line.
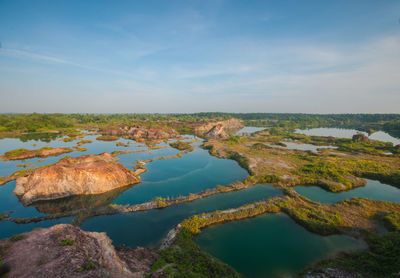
265	77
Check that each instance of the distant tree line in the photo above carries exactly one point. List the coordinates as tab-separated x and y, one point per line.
366	122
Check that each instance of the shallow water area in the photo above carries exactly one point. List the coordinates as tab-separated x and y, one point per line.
374	190
270	245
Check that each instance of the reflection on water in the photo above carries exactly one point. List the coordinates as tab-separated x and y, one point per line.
148	228
249	130
348	133
270	245
36	136
372	190
78	202
193	172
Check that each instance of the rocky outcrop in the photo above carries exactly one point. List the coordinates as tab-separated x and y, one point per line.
20	154
141	133
219	129
181	145
67	251
360	138
330	273
216	131
85	175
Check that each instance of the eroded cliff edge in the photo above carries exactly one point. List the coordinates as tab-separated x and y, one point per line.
67	251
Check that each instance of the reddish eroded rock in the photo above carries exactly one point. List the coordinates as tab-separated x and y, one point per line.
139	259
216	131
139	132
88	174
219	129
21	154
67	251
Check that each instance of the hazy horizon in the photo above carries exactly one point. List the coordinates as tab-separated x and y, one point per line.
200	56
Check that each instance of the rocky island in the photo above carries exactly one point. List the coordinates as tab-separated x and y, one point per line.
89	174
21	154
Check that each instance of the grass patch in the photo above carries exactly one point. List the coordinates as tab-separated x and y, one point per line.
382	259
158	264
187	260
67	242
17	237
180	145
107	138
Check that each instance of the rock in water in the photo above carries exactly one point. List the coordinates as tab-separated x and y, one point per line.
89	174
67	251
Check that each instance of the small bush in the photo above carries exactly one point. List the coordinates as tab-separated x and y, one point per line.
158	264
67	242
17	237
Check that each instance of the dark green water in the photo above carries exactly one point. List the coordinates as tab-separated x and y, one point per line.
150	227
270	245
372	190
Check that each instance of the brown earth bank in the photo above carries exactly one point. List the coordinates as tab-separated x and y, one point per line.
137	132
66	251
84	175
220	129
20	154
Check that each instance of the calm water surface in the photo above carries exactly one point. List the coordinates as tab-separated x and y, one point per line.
249	130
265	246
270	245
148	228
348	133
373	190
193	172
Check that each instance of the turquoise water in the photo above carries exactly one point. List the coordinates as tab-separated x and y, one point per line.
373	190
148	228
270	245
196	171
348	133
193	172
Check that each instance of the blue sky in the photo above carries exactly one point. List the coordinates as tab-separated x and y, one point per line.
191	56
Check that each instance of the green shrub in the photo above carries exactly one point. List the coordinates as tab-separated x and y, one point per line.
67	242
17	237
158	264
